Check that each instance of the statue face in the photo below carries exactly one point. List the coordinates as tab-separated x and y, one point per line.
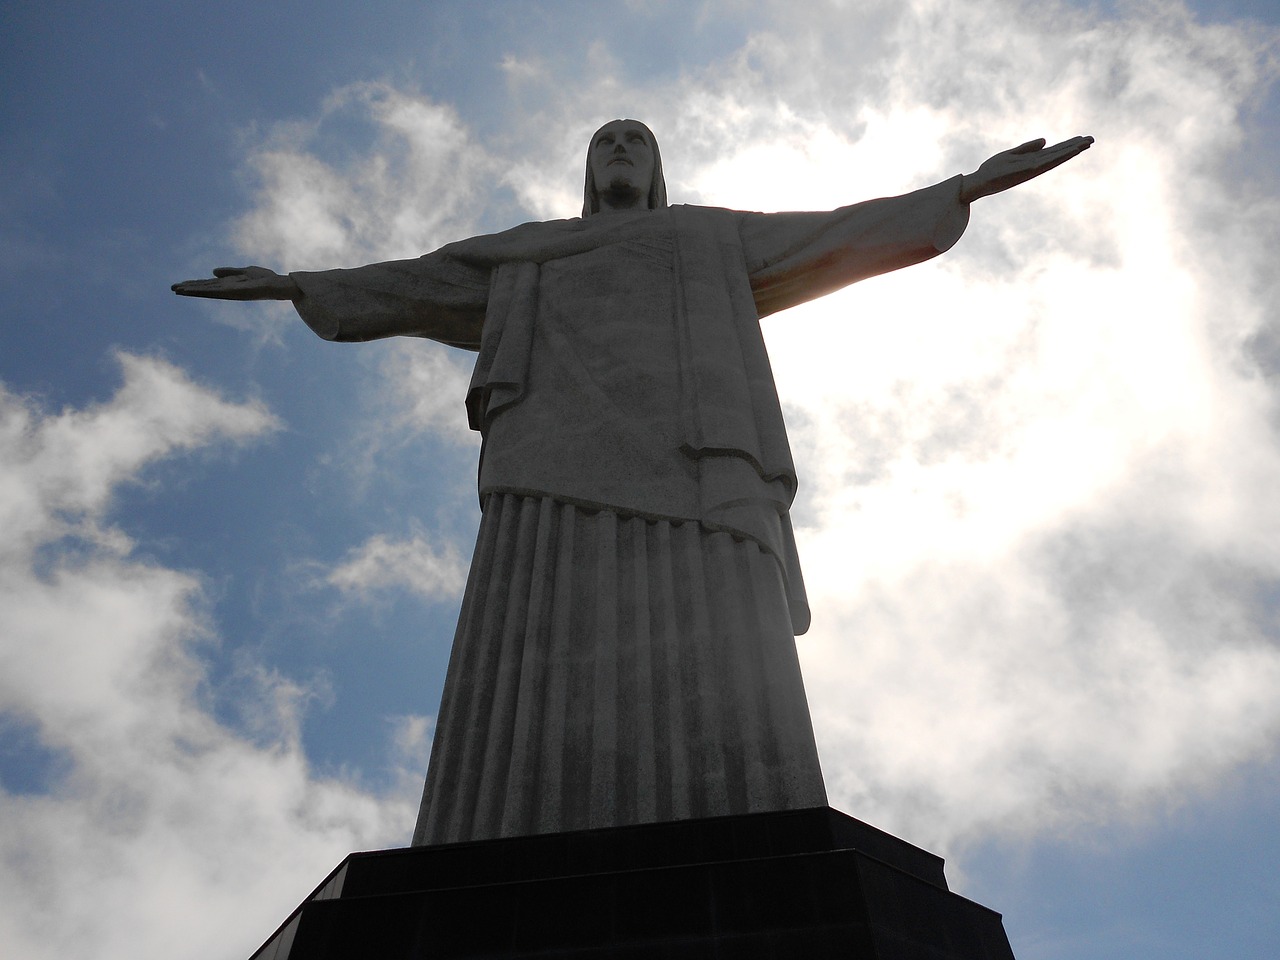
622	160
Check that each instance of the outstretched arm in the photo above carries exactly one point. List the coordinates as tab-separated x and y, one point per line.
436	296
241	283
794	257
1022	163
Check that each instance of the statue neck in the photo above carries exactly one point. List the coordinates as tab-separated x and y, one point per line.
618	200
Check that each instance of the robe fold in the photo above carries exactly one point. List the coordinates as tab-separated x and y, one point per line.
630	421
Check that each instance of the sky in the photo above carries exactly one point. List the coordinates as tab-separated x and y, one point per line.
1038	514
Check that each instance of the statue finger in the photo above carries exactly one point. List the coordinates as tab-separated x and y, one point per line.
1031	146
1074	145
1067	149
184	285
198	288
1055	159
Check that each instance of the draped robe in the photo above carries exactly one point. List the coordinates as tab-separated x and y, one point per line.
626	651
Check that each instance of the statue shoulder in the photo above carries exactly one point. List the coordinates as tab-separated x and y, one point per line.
720	223
520	242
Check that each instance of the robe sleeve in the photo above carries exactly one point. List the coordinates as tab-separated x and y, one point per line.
437	296
794	257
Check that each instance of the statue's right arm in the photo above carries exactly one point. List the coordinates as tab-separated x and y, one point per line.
435	296
240	283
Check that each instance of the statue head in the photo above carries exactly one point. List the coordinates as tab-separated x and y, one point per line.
623	158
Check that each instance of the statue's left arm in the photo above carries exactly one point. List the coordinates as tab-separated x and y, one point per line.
795	257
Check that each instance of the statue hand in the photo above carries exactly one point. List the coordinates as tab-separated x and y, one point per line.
1012	167
241	283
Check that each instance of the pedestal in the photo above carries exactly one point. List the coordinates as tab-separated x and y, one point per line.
794	885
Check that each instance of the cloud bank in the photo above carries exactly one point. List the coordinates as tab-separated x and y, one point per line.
159	829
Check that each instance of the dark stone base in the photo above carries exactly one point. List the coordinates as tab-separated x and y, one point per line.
811	884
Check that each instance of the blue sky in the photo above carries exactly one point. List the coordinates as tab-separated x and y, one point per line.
1037	513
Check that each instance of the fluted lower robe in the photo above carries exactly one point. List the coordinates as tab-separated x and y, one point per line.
611	670
626	648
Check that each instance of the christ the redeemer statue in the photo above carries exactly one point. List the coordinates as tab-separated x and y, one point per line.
625	652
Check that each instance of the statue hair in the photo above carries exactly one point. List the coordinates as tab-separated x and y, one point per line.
657	189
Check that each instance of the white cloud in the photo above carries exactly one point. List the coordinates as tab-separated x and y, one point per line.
406	185
153	804
59	470
425	389
411	737
416	565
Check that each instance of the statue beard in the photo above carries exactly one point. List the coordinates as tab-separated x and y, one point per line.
621	192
